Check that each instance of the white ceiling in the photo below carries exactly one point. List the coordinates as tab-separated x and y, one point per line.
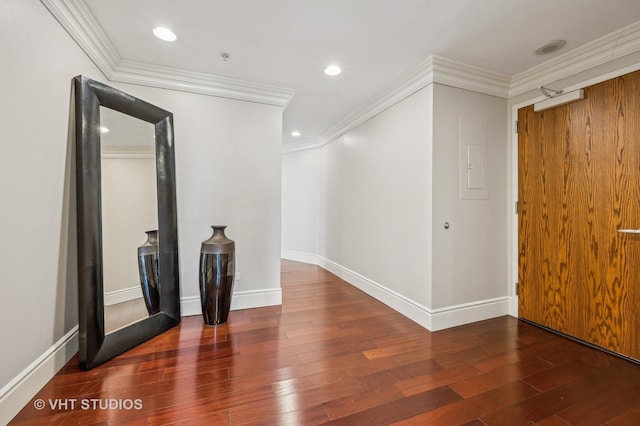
288	43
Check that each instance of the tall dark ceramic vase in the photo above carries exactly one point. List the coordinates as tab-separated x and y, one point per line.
148	268
217	271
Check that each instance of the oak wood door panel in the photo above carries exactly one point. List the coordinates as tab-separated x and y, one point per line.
579	183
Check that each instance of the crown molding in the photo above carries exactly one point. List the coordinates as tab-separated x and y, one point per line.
201	83
304	145
435	69
600	51
445	71
464	76
76	18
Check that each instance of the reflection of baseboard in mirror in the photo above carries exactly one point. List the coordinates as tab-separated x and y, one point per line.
123	314
120	296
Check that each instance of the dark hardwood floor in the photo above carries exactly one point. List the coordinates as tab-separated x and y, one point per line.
331	354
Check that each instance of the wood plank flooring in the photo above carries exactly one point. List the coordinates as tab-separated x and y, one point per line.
331	354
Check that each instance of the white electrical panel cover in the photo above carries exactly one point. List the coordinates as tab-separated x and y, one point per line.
473	142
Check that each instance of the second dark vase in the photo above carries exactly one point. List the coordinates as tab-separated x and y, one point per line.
148	268
217	271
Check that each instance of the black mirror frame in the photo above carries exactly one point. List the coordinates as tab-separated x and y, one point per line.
94	347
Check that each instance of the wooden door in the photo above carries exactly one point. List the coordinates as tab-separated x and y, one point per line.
579	183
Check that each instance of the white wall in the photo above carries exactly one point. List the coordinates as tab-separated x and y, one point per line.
38	286
228	164
470	258
301	173
386	189
376	218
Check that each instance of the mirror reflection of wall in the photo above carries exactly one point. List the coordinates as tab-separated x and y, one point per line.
129	209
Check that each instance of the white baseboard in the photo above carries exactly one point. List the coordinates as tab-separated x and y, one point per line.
298	256
478	310
256	298
190	306
241	300
431	319
124	295
407	307
17	393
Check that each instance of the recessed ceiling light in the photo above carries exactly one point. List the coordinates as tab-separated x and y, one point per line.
164	34
550	47
295	133
104	129
332	70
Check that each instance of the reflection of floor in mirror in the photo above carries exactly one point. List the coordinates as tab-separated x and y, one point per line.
125	313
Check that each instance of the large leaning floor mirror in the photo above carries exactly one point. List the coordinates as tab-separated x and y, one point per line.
127	231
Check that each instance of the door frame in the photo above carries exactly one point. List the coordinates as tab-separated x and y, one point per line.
512	195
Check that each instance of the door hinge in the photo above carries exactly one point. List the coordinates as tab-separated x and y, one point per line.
517	289
517	208
517	126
